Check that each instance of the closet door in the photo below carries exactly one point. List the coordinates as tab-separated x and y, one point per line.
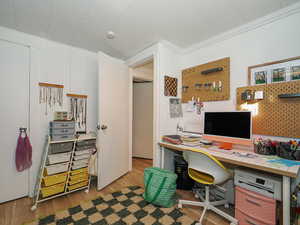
14	113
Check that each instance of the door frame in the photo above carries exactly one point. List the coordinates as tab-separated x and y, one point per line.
152	55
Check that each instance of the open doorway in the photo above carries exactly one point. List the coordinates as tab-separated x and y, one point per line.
142	111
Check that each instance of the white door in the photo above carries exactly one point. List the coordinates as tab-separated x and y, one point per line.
14	92
113	136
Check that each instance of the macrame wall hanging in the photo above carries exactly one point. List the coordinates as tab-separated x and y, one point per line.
51	95
78	111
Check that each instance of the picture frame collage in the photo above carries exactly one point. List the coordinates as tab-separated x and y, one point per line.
275	72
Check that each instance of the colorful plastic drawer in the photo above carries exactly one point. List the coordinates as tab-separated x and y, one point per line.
78	176
79	185
62	137
78	171
255	205
60	147
79	166
62	124
52	190
55	179
57	168
83	156
91	142
244	219
58	158
83	152
78	180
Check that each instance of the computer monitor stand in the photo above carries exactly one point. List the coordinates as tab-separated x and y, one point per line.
228	142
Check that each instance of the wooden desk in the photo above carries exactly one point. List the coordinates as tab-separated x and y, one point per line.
259	163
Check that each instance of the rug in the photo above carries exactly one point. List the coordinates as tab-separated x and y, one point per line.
125	207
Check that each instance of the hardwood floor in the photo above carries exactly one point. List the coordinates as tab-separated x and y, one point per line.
18	211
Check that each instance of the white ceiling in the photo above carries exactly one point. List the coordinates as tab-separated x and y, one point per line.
137	23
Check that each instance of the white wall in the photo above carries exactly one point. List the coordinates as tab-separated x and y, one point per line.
142	125
52	62
270	42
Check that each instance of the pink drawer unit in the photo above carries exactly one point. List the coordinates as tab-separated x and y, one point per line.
244	219
254	206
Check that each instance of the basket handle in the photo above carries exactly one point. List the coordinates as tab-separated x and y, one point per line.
159	188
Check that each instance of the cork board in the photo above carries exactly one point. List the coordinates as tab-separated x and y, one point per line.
192	77
276	116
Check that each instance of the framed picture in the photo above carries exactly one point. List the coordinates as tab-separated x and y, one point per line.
279	75
260	77
295	72
277	71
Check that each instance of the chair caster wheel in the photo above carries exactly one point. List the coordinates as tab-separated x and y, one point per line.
226	206
198	223
196	196
86	191
33	208
179	206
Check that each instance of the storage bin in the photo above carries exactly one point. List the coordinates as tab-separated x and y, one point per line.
61	147
57	168
79	185
52	190
81	161
82	152
78	178
62	131
264	149
86	147
74	167
62	124
244	219
60	115
55	179
284	151
83	156
58	158
90	142
257	206
78	171
62	137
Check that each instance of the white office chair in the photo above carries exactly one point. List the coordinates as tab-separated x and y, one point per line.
207	170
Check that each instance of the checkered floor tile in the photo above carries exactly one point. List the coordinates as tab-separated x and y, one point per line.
119	208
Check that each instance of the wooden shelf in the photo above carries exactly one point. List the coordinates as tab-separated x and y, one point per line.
296	95
51	85
76	96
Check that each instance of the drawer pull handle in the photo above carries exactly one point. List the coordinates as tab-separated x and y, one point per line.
250	222
252	202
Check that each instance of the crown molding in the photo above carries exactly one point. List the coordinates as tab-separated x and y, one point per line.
270	18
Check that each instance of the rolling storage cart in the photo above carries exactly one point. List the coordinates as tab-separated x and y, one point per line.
64	168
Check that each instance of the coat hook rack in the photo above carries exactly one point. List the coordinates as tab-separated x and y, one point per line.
23	129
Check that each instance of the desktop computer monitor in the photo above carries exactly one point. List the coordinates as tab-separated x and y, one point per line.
228	127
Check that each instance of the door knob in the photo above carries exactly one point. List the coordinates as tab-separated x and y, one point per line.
103	127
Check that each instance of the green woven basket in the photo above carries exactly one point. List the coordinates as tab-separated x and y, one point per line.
160	186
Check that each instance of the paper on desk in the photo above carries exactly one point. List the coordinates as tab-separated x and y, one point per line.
286	162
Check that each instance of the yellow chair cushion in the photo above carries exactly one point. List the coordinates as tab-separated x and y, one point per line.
200	177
